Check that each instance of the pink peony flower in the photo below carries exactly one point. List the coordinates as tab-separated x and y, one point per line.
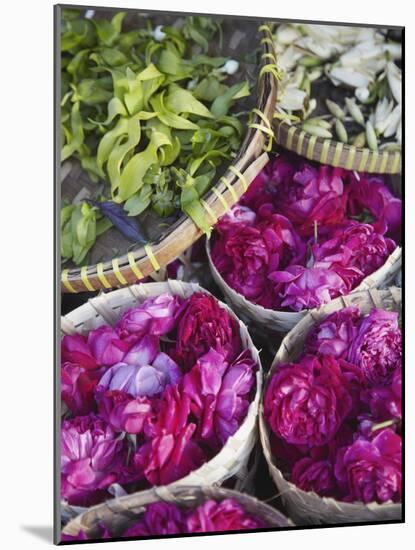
371	194
123	412
202	326
377	348
106	346
156	316
144	370
159	518
334	335
227	515
306	402
218	394
299	287
92	458
169	457
74	349
354	250
314	475
372	470
77	388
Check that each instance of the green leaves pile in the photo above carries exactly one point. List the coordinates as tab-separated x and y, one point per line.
151	117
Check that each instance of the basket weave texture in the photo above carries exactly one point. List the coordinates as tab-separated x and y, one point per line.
308	507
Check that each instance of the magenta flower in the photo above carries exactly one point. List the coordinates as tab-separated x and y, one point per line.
106	346
219	393
334	335
159	518
144	370
354	250
372	470
299	287
169	457
314	475
237	216
123	412
371	194
74	349
170	412
77	388
156	316
385	402
306	402
202	326
92	458
377	348
227	515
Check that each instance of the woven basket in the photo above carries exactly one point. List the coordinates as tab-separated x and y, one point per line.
283	321
232	459
119	514
107	271
307	507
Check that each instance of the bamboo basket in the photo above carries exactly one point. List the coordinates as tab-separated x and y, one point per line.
119	514
269	320
232	459
307	507
128	266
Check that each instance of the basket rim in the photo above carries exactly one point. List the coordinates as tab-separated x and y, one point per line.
309	319
221	458
142	261
336	153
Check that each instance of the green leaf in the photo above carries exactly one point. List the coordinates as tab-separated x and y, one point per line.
108	31
222	104
102	225
183	101
75	138
192	206
209	88
140	201
90	92
108	141
169	118
120	149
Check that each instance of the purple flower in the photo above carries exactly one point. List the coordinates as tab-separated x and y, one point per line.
169	457
77	388
92	458
314	475
203	325
377	348
170	412
156	316
334	335
372	470
306	402
228	515
106	346
219	394
159	518
74	349
299	287
144	370
370	193
123	412
103	533
237	216
385	402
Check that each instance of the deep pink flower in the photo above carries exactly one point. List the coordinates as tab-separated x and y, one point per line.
103	533
170	412
314	475
204	324
77	388
354	250
372	470
159	518
227	515
92	458
219	394
377	348
306	402
334	335
307	194
123	412
237	216
299	287
144	370
74	349
385	402
371	194
169	457
156	316
106	345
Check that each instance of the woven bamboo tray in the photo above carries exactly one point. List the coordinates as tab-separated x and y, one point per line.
119	514
283	321
232	459
307	507
128	266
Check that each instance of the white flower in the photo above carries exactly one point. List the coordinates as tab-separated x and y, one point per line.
158	34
